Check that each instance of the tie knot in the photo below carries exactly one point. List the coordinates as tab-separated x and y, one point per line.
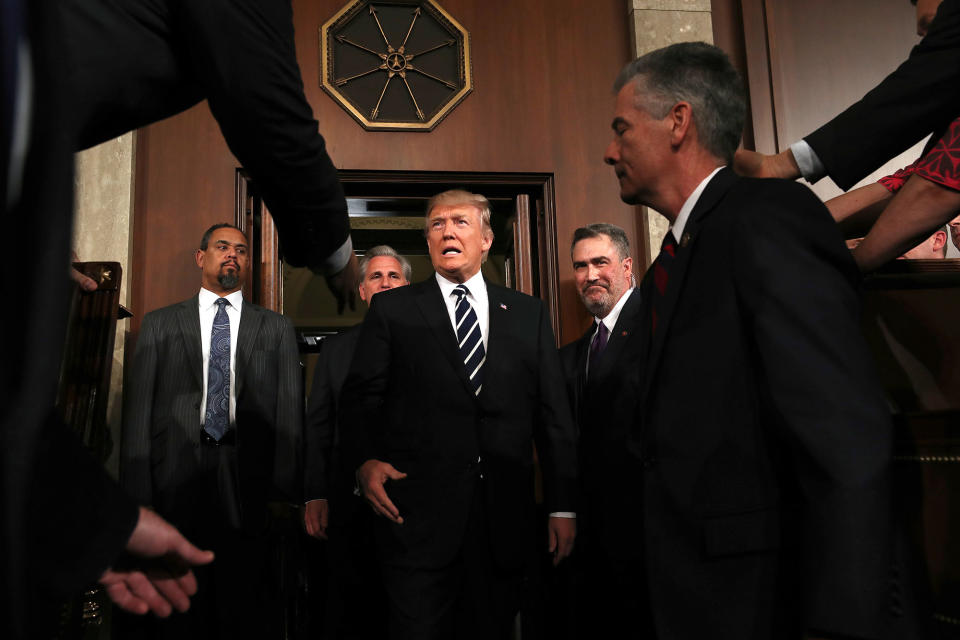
669	245
461	291
602	330
223	302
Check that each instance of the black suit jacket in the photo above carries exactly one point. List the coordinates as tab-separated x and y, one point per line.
159	463
129	63
764	440
604	406
407	401
325	475
921	96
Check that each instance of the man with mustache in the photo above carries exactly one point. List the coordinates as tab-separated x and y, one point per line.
212	430
600	369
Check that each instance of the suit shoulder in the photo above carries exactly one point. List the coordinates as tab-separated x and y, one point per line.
164	313
514	297
269	315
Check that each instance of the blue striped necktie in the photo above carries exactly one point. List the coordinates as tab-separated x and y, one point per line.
469	338
217	414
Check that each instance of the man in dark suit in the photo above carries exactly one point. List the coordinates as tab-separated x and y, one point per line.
212	432
453	380
328	484
762	438
128	64
918	98
602	383
74	74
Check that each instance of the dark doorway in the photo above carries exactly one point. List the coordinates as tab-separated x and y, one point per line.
387	207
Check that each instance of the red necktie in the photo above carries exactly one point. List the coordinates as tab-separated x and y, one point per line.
661	275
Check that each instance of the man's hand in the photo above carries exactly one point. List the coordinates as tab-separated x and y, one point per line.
757	165
560	535
371	476
343	284
158	577
316	516
84	282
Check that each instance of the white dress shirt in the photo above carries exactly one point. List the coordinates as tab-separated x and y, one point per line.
691	202
809	163
478	300
208	311
610	320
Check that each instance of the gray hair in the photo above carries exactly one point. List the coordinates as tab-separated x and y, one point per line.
384	251
617	236
700	74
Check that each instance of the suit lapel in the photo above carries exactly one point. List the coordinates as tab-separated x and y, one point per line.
623	332
251	319
499	315
431	304
188	319
711	196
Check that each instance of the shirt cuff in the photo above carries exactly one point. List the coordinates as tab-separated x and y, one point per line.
563	514
811	168
336	261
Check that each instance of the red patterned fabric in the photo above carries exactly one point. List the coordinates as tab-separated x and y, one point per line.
941	164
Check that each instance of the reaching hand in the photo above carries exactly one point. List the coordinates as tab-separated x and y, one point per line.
343	284
757	165
156	575
561	533
316	515
371	477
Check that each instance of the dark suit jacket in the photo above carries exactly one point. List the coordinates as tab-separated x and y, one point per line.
604	406
764	440
159	463
63	519
407	401
324	472
134	62
921	96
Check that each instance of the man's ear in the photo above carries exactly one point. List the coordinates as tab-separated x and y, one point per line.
681	122
939	240
200	258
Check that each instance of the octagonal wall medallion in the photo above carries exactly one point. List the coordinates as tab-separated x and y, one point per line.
395	66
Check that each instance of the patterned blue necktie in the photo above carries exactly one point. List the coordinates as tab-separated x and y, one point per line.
217	415
469	338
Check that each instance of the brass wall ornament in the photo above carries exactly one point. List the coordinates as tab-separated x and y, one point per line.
395	66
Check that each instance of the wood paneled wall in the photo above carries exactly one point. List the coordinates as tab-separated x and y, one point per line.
542	102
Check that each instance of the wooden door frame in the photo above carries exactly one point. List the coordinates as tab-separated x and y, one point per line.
264	284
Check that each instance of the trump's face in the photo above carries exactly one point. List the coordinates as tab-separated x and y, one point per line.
457	241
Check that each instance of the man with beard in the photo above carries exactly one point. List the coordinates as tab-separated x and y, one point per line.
212	432
601	367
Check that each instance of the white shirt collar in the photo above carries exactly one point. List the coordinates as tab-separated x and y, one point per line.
611	318
475	285
681	221
208	298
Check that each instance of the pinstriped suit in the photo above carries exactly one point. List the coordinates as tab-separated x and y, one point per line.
161	426
216	495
